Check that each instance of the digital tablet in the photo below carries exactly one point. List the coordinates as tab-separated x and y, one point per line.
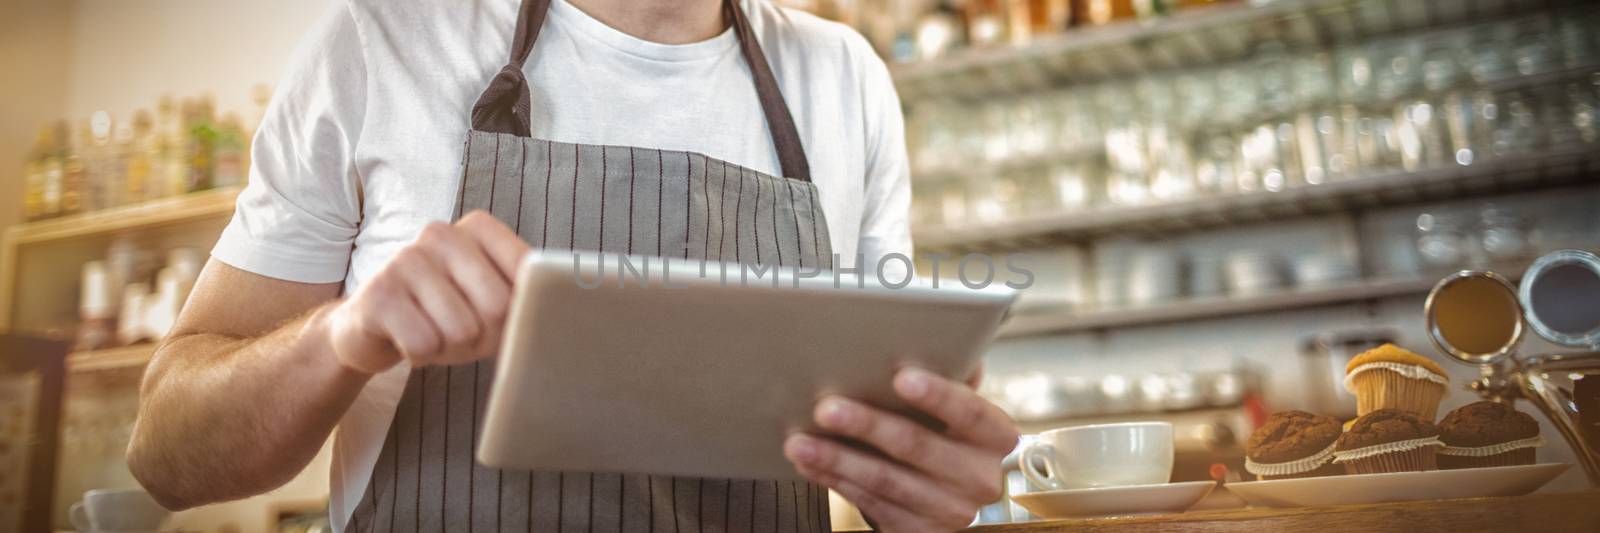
643	365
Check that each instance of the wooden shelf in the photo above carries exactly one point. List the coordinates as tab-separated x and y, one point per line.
1046	323
122	357
165	211
1521	172
1190	38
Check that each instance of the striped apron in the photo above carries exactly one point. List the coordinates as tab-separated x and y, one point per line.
613	199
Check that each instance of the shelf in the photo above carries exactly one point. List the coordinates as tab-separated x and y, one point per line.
1567	165
1043	322
1043	161
1193	37
121	357
165	211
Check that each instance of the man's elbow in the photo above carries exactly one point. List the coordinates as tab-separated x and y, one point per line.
160	481
178	487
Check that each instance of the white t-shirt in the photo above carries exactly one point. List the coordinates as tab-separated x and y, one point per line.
361	145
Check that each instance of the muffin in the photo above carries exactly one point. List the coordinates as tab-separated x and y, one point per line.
1487	434
1389	377
1388	440
1293	444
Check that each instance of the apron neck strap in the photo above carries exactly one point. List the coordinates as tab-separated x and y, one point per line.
506	103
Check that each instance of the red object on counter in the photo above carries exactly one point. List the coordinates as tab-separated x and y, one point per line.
1219	472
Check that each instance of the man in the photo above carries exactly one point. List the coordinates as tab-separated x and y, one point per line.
343	296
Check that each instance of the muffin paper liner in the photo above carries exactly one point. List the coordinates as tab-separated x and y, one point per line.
1414	460
1381	388
1386	448
1517	457
1296	466
1326	470
1410	371
1493	449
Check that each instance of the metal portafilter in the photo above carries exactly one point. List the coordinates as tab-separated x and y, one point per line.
1479	318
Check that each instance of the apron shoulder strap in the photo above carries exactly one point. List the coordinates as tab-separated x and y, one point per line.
780	123
506	104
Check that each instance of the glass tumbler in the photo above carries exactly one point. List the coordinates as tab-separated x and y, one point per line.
1442	240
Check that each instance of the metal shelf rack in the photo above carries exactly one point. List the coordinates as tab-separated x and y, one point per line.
1059	322
1546	168
1199	36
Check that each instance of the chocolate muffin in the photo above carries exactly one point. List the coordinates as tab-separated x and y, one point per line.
1388	440
1292	444
1487	434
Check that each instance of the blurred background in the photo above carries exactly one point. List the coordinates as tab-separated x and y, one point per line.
1222	200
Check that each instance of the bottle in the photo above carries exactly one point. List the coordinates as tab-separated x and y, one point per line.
1019	21
938	31
1096	12
105	168
202	138
170	170
1048	16
229	162
34	180
54	163
74	173
97	307
986	22
1146	9
131	139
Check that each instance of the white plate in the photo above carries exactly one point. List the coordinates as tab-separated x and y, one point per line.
1398	487
1106	501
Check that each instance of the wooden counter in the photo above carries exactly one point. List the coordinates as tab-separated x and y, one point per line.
1574	512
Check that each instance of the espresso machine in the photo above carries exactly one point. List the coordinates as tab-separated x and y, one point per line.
1480	318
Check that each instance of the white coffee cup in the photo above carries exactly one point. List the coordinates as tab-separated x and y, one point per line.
117	510
1105	455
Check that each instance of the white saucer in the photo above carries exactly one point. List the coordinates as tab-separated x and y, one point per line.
1398	487
1108	501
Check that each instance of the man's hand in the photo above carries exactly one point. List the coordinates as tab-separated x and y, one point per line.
924	480
441	300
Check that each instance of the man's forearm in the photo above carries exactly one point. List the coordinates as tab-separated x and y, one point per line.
223	417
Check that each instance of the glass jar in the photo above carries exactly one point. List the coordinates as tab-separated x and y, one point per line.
1074	185
989	198
1029	127
1505	235
1488	56
1558	115
1198	104
927	208
1172	175
994	127
1421	135
1578	47
1127	177
1075	126
1397	71
1531	48
1442	240
1585	111
1517	128
1033	193
1216	167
